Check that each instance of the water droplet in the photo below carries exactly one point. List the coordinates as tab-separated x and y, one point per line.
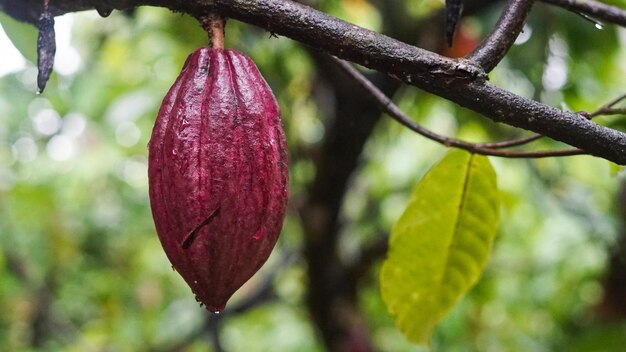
104	11
195	281
258	234
173	156
595	22
216	310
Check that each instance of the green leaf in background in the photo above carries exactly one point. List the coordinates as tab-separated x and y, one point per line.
22	35
440	245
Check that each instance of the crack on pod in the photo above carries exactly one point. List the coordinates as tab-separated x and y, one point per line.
193	234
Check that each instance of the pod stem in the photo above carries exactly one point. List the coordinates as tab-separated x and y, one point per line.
214	25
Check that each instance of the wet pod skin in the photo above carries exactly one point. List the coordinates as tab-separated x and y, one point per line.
218	173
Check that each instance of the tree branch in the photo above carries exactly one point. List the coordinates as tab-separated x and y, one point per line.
492	50
458	80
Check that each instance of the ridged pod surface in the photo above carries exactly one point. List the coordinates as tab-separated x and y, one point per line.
218	173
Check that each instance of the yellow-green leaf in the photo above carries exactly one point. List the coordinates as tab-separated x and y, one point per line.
440	245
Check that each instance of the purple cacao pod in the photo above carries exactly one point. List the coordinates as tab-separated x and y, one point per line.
218	173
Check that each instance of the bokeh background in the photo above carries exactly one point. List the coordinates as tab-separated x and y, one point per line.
81	268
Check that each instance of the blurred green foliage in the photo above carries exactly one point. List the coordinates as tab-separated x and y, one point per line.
81	268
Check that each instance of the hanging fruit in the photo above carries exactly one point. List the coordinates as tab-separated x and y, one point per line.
218	171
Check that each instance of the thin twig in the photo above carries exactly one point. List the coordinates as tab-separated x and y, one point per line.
493	49
620	111
511	143
394	112
596	9
608	109
616	100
